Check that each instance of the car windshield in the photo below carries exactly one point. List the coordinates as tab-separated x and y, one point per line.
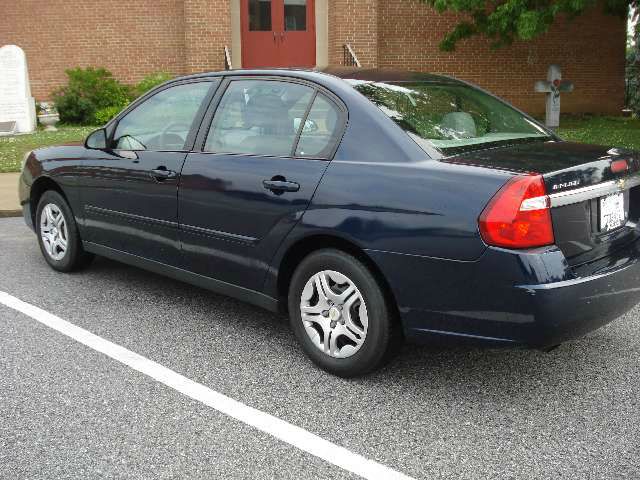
451	117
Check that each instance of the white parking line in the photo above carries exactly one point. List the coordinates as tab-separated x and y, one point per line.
288	433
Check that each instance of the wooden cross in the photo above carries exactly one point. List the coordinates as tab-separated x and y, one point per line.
552	87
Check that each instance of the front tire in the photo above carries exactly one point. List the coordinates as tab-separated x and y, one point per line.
58	234
340	314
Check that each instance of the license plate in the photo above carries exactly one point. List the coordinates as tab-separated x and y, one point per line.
612	213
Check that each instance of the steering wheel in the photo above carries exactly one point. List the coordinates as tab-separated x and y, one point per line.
171	129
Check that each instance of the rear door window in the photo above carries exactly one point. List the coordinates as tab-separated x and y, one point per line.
259	117
321	130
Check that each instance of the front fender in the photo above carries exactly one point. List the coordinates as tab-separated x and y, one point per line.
50	168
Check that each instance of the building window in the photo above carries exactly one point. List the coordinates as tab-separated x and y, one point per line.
295	15
260	15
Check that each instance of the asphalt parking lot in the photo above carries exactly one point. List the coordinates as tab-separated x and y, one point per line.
67	411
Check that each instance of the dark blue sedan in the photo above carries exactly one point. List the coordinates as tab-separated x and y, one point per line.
373	206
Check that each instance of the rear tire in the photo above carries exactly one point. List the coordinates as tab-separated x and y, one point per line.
340	314
58	234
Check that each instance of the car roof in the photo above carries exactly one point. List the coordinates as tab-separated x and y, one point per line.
386	75
344	73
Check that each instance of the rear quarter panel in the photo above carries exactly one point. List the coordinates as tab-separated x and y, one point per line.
427	208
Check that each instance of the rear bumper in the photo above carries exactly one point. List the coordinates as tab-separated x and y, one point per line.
531	298
571	308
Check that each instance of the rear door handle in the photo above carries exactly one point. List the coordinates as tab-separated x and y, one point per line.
161	173
281	186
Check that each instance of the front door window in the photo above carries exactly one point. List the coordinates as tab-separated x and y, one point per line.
163	121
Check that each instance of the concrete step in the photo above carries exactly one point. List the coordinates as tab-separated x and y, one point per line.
9	204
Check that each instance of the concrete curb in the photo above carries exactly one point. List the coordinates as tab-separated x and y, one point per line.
9	201
10	213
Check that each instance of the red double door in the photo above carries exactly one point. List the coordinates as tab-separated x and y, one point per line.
278	33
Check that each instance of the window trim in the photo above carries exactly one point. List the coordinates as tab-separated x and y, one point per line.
207	121
214	82
338	137
303	122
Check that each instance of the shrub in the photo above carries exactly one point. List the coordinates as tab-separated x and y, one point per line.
103	115
88	91
151	81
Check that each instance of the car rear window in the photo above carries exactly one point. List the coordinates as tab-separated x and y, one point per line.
450	117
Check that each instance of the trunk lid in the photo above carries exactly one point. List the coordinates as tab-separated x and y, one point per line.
594	207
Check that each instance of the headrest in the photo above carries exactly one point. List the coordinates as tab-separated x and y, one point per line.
264	110
460	124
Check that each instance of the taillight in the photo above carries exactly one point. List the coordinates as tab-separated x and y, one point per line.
618	166
518	216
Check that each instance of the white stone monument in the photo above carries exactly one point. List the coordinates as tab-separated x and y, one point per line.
552	87
16	103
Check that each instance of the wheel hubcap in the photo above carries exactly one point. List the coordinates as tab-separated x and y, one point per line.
334	314
53	231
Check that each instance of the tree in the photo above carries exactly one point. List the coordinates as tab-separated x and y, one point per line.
632	71
504	21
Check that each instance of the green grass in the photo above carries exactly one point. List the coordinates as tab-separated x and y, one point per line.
12	149
614	131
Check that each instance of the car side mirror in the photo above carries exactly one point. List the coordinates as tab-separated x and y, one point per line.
97	140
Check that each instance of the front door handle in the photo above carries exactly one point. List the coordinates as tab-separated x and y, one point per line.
281	186
161	173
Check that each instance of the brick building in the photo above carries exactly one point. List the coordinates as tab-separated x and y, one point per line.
135	37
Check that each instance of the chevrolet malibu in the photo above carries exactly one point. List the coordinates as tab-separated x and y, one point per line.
372	206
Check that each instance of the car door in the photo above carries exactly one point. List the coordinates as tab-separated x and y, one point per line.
130	190
261	159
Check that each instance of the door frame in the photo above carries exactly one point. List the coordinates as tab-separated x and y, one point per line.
216	97
321	17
